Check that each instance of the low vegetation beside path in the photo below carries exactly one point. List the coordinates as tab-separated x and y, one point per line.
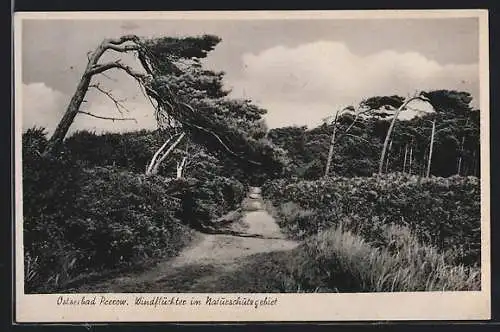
382	234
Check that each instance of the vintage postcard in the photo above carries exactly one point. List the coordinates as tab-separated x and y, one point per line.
252	166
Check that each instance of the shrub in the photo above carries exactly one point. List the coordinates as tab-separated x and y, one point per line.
442	212
50	186
206	201
79	221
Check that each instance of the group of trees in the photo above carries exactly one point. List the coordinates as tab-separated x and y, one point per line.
359	140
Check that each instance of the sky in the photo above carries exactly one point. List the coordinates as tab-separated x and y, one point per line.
301	71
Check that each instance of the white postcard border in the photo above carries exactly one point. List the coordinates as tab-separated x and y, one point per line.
288	307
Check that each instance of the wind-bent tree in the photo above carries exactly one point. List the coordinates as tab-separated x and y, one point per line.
362	109
187	99
93	68
391	127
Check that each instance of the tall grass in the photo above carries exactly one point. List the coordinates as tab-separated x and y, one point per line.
344	260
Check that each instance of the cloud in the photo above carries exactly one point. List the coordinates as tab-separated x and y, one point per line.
304	84
43	106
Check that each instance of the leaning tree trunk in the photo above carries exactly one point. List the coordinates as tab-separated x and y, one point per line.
93	68
406	155
389	132
333	138
429	161
160	156
75	103
180	167
388	157
330	151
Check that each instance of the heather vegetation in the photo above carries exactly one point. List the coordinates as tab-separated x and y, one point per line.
376	203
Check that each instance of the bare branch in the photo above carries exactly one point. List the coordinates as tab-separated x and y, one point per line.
358	114
99	68
144	62
109	77
123	48
122	39
118	103
107	118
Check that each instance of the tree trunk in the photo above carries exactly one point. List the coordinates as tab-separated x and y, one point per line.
75	103
389	132
406	155
330	151
475	170
459	166
180	168
151	164
410	159
429	162
155	163
388	157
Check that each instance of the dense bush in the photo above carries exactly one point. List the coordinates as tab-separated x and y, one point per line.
206	200
443	212
80	217
50	186
82	220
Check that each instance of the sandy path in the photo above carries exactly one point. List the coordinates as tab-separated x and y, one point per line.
212	258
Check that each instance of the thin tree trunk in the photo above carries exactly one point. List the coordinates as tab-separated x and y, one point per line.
389	132
155	166
330	150
406	155
474	164
388	157
459	166
180	167
411	160
422	173
151	164
429	162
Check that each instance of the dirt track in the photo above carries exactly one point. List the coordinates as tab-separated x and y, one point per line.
214	262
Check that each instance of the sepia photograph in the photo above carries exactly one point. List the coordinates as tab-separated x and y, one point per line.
252	166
